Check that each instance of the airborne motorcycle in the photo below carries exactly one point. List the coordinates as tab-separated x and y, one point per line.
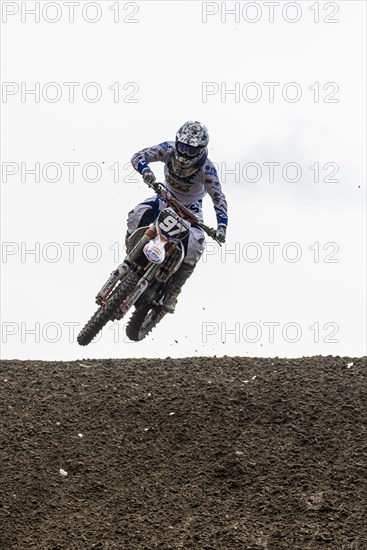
154	254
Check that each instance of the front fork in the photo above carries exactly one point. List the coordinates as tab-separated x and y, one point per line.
120	272
109	285
140	288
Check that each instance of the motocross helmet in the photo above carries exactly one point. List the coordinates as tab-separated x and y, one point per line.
190	148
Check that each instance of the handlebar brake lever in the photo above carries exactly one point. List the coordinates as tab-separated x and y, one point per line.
210	231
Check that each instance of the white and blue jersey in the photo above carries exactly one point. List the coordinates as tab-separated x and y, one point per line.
189	190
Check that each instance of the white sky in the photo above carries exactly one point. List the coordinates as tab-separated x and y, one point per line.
169	53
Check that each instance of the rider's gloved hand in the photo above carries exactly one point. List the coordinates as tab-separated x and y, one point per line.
148	176
221	233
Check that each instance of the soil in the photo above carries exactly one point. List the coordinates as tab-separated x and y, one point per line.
199	453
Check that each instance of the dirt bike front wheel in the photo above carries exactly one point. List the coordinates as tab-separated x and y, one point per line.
143	320
106	312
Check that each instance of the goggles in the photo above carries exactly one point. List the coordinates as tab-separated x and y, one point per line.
188	150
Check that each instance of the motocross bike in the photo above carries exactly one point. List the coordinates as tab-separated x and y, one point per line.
154	254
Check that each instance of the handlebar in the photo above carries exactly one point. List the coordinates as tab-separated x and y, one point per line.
183	210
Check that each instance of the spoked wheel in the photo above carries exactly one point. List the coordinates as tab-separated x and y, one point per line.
107	312
143	320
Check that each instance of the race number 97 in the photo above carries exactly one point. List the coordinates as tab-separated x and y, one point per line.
172	226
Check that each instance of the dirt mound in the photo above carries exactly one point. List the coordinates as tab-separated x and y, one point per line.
198	453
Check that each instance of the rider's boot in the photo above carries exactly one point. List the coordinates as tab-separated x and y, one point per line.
174	286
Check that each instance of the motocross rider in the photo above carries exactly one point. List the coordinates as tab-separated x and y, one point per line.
189	175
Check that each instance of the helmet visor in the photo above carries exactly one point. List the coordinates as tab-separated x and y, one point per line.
188	150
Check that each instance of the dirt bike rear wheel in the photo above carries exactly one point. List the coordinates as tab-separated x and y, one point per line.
143	320
105	313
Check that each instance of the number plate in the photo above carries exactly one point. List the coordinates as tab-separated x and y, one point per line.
172	226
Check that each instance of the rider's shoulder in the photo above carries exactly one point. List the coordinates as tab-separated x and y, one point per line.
167	145
209	168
